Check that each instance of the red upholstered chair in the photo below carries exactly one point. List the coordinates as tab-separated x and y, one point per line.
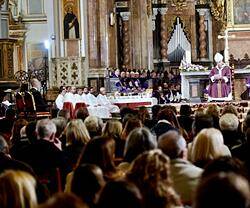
30	107
20	105
69	106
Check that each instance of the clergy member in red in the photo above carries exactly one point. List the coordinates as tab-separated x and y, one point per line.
220	77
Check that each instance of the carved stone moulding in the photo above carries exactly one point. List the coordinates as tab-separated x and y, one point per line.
240	63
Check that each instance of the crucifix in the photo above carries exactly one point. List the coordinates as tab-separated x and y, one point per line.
226	50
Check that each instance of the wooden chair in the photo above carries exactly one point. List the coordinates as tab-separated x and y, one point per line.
30	107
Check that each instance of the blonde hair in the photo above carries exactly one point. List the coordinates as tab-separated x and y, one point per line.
93	123
208	145
229	122
76	131
112	128
17	190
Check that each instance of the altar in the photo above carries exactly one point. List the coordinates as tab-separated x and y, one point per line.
193	83
133	101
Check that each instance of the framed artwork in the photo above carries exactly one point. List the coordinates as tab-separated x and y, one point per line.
37	56
239	13
71	18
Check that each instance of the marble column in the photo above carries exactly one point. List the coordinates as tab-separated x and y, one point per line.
202	34
1	2
126	39
164	42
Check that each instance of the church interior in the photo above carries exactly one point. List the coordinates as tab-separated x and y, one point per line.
151	78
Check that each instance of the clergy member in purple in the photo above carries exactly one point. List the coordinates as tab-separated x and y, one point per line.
220	77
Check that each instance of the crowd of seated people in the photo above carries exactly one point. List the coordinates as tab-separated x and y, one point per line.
167	159
135	81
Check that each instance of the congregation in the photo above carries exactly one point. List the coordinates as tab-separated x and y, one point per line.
168	159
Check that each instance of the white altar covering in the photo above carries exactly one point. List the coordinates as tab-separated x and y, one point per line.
132	100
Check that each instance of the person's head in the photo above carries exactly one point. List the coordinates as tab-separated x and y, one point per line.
229	122
31	131
69	9
213	110
150	171
35	83
103	90
143	114
122	194
207	145
64	113
202	121
125	111
79	91
155	110
76	132
218	59
17	189
112	128
100	151
222	190
185	110
81	113
173	145
229	109
92	90
123	74
60	123
225	164
85	90
18	124
87	182
46	130
6	128
94	125
73	90
130	125
63	200
138	141
4	148
169	115
62	90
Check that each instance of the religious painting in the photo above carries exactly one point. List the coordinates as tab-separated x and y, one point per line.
37	56
71	17
238	13
241	12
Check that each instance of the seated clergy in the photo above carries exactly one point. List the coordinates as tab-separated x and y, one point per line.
94	108
60	98
103	101
70	96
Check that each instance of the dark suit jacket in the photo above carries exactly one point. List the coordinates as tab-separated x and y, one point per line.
41	105
6	163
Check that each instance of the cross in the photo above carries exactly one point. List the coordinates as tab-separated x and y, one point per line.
226	50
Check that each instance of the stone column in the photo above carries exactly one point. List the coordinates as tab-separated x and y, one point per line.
164	42
155	12
202	33
126	39
1	2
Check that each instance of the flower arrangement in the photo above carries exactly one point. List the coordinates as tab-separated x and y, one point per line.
188	67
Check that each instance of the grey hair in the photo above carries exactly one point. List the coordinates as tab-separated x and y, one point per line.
138	141
45	128
172	144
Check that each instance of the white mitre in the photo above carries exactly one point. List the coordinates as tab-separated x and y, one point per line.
218	57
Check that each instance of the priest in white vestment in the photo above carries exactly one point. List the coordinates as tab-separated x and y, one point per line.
60	98
70	96
94	107
103	101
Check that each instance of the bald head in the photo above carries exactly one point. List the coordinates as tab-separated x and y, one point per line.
103	90
35	83
173	145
